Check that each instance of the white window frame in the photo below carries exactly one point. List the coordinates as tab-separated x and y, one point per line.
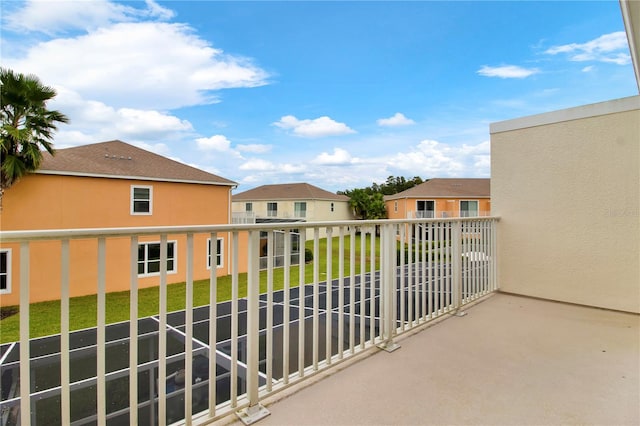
133	200
220	254
467	201
299	212
7	274
248	207
146	261
272	213
395	207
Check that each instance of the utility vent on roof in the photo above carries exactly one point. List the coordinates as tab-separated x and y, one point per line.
115	157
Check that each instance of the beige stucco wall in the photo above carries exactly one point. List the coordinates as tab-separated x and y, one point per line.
566	186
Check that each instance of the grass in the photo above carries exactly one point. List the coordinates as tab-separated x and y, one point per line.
44	317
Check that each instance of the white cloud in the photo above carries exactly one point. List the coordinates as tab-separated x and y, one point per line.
214	143
316	128
255	148
339	156
482	162
260	165
157	11
427	159
140	65
54	16
221	146
432	158
398	119
157	148
588	68
93	121
257	164
507	71
481	148
610	48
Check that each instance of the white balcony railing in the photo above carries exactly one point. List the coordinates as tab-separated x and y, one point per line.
243	217
430	214
374	281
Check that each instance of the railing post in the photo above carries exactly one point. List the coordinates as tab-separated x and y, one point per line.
387	288
25	354
456	267
254	411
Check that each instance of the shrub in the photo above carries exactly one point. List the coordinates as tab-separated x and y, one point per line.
308	255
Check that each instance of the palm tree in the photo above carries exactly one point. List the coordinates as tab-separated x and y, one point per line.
27	125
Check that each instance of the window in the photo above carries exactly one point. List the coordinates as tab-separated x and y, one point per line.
278	242
425	209
219	253
300	209
141	199
332	207
248	207
5	271
272	209
149	258
468	208
395	206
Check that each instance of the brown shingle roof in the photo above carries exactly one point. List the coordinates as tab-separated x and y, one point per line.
447	188
117	159
288	191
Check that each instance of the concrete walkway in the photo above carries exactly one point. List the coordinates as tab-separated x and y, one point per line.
510	361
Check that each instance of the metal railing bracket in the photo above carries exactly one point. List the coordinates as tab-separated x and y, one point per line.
252	414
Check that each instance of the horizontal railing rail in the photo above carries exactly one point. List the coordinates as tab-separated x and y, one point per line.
283	321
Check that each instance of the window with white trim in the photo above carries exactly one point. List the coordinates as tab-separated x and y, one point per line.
468	208
248	207
425	209
5	271
272	209
149	258
219	253
300	209
141	200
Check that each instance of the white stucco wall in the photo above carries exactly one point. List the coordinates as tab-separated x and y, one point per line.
566	186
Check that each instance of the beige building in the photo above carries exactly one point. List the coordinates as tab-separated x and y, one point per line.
290	202
566	186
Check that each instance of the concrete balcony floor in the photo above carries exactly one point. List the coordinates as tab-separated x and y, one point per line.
510	361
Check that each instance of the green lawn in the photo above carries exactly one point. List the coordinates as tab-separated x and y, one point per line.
45	316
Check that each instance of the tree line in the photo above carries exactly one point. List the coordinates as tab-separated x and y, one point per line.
368	203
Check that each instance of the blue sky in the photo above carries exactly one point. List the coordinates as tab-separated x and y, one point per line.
336	94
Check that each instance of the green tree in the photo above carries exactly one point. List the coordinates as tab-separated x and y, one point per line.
27	125
367	205
393	185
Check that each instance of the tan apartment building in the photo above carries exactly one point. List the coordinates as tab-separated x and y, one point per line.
290	202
